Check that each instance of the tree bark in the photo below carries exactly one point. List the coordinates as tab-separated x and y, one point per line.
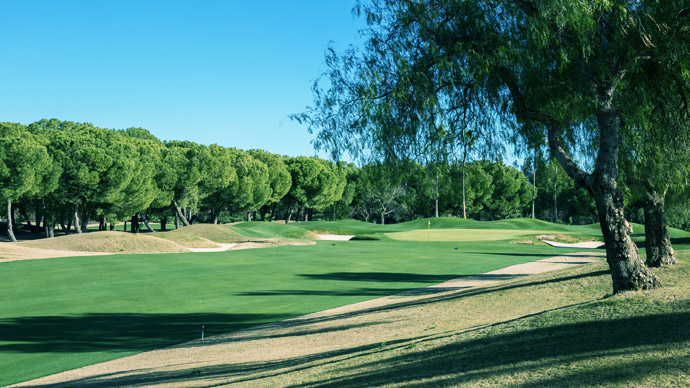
555	202
177	221
178	211
77	228
383	217
534	179
164	222
657	239
145	218
135	223
464	206
436	194
10	232
628	272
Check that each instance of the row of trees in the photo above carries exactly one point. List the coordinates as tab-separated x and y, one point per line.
67	174
61	173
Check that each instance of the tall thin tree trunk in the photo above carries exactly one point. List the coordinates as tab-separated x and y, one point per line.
464	205
555	202
164	222
181	216
249	216
10	232
657	239
534	179
383	217
436	214
77	227
177	221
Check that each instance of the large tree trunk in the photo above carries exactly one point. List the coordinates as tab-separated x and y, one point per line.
77	227
289	215
628	272
164	223
135	223
657	239
10	232
178	211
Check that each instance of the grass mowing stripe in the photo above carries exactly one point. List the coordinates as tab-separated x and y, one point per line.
60	314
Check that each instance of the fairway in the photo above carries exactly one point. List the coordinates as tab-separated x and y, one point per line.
462	234
62	313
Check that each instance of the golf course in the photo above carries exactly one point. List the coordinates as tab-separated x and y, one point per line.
59	314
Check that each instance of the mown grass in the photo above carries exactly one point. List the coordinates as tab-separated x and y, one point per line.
59	314
559	329
62	313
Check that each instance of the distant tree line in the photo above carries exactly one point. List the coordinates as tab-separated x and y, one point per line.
62	175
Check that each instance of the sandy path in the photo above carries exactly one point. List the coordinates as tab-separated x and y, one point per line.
254	356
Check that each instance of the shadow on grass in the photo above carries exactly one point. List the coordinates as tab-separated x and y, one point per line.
527	351
464	360
116	332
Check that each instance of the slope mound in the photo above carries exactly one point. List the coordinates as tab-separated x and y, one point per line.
262	229
204	235
115	242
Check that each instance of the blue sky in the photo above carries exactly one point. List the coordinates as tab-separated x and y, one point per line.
226	72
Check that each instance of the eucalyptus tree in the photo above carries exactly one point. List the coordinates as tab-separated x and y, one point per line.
468	199
25	168
566	67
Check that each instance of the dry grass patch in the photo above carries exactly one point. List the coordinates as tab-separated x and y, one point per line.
204	235
115	242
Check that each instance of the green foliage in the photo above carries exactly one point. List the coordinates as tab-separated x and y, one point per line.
26	168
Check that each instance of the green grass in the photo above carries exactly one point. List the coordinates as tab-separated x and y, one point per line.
62	313
261	229
558	329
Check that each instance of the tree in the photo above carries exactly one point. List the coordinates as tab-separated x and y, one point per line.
316	183
220	182
378	191
278	175
566	69
185	159
25	168
510	194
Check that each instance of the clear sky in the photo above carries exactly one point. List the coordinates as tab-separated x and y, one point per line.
226	72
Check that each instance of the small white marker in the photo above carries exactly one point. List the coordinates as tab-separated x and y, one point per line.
202	332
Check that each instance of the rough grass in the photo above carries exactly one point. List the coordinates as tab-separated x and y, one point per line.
199	235
559	329
262	229
106	242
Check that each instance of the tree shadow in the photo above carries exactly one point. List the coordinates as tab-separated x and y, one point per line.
466	361
521	351
117	332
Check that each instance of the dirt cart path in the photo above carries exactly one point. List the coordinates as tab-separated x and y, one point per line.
263	355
